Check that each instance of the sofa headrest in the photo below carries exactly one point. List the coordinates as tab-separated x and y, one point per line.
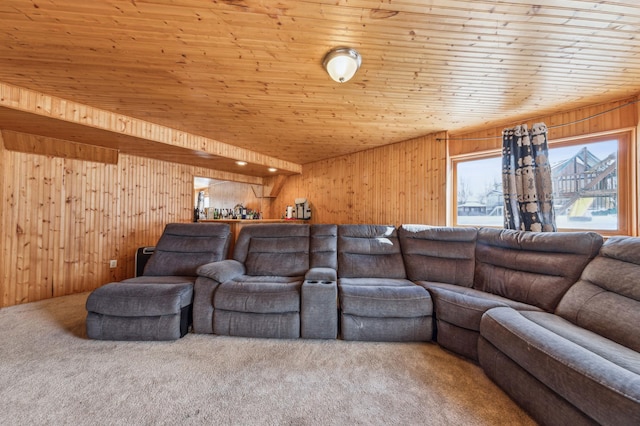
587	243
438	253
626	249
183	247
368	251
324	246
274	249
531	267
438	233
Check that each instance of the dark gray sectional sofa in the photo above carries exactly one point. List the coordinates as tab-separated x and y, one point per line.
552	318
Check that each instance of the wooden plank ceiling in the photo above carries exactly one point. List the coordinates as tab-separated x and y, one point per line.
248	73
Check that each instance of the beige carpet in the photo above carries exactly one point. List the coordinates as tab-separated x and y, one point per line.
51	374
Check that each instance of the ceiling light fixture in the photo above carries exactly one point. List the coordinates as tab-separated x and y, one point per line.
241	163
342	63
273	169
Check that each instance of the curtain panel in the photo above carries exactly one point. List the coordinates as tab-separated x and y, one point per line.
526	179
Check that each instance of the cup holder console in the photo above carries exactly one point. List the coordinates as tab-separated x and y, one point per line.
319	309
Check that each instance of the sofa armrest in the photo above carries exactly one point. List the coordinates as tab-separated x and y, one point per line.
203	291
321	274
222	271
210	276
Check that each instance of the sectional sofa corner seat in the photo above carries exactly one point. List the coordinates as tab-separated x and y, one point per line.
280	283
469	271
158	304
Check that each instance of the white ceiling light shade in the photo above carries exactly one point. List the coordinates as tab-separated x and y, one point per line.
342	63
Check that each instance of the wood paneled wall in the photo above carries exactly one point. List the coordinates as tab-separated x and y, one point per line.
64	219
394	184
228	194
599	118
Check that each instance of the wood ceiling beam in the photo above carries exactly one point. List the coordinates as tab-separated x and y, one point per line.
27	111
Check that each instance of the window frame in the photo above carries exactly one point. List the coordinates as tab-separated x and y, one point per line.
627	178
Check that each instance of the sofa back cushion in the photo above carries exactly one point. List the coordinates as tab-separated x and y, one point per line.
369	251
606	300
273	249
183	247
439	254
531	267
324	246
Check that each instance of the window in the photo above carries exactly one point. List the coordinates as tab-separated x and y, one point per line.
592	185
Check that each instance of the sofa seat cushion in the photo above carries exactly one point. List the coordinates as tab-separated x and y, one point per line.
284	325
396	300
169	279
598	376
140	299
259	294
376	282
464	306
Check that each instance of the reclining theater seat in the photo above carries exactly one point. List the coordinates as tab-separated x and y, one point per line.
157	305
377	301
260	292
580	365
522	270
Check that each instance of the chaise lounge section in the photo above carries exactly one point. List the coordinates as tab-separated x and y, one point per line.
158	304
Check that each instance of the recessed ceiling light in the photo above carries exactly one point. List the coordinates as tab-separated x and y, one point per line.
273	169
241	163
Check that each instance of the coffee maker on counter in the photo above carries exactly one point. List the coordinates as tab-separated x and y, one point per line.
303	211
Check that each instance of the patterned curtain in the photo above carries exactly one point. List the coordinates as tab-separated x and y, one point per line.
526	179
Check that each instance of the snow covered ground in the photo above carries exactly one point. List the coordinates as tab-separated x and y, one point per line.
608	223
